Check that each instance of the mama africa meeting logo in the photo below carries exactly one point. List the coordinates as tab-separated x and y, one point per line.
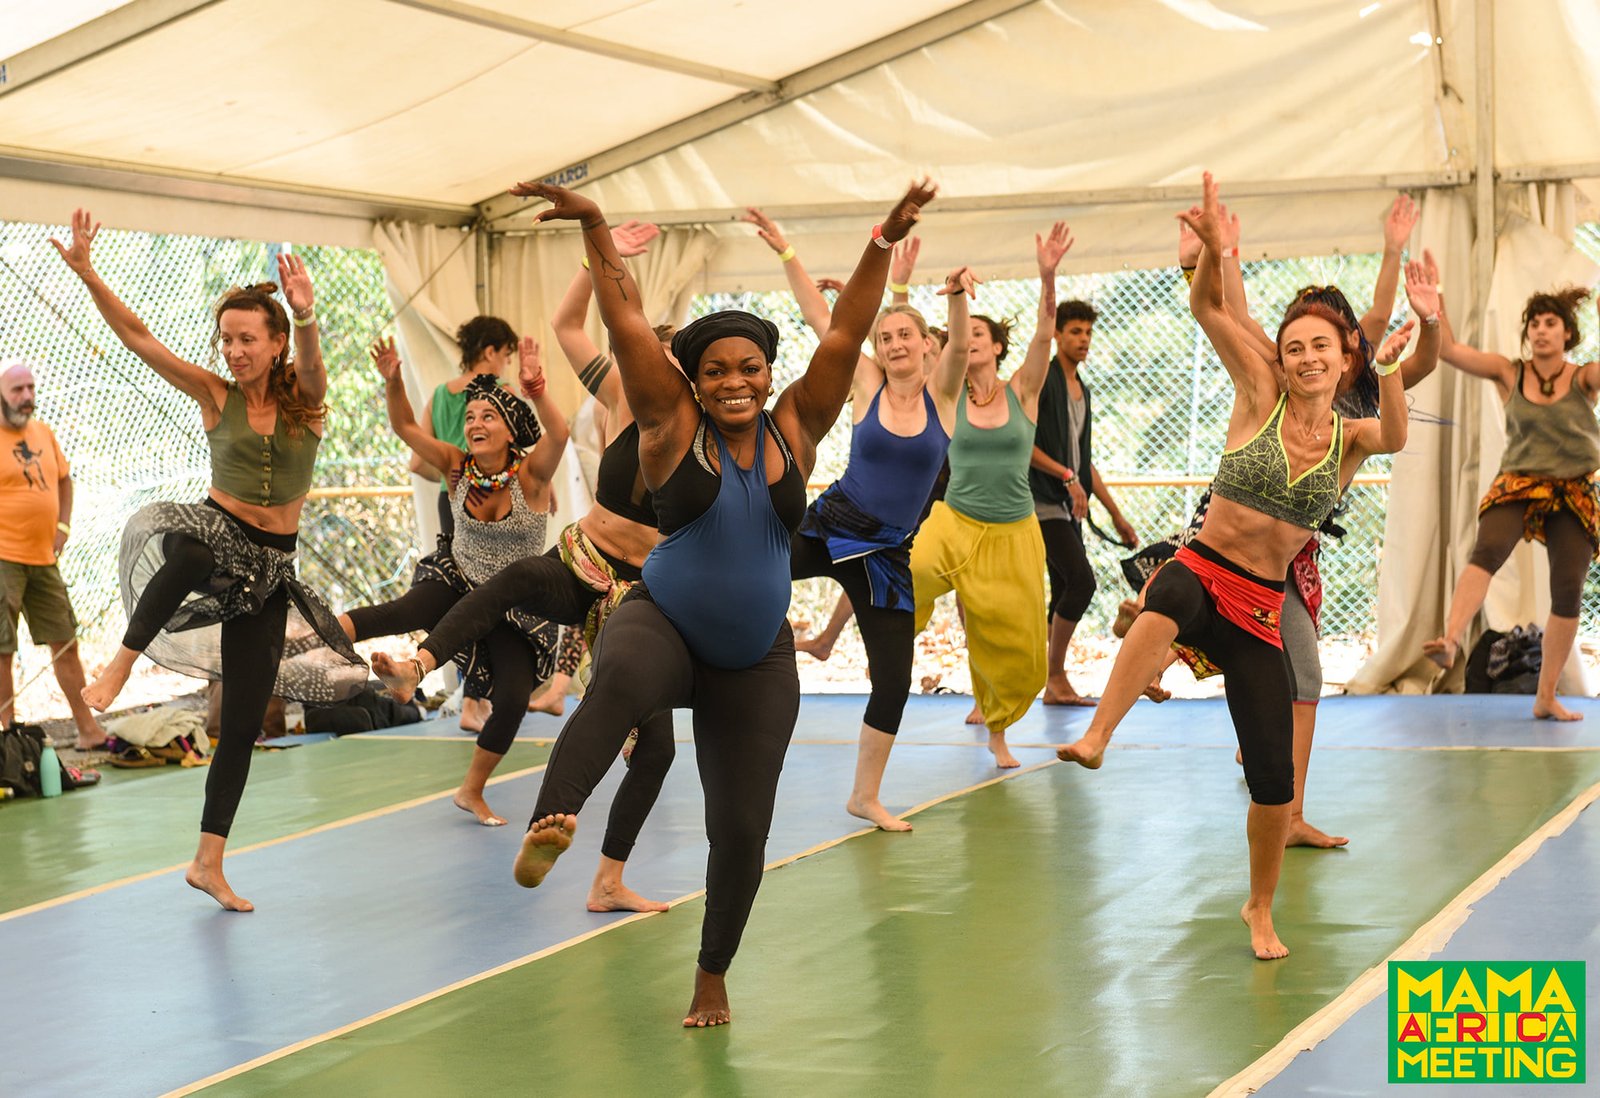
1486	1022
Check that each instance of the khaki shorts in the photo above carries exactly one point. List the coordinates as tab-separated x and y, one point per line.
37	593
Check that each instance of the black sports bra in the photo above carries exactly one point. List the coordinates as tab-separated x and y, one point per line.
619	486
693	486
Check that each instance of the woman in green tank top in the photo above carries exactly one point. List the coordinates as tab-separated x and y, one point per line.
982	540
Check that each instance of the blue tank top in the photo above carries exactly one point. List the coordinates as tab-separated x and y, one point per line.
723	578
889	476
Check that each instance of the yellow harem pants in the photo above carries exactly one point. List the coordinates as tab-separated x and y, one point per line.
997	569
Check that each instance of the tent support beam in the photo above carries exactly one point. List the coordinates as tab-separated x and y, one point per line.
556	36
1484	231
89	40
1552	173
112	175
1057	200
792	87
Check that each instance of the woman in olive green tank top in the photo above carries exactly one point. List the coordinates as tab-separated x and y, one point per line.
1288	456
1545	490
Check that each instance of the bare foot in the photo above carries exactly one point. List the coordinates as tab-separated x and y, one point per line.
399	677
976	716
710	1004
1553	710
1127	610
100	693
474	714
1263	939
209	879
815	647
545	841
1157	693
616	896
1090	754
475	804
1303	834
1441	651
553	702
1003	758
874	813
90	741
1068	699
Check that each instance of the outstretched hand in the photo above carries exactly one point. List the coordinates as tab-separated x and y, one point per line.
1422	291
1188	247
386	359
834	284
296	283
84	230
1392	347
962	280
766	228
1230	226
530	368
565	205
908	211
1052	247
633	237
903	263
1398	224
1205	220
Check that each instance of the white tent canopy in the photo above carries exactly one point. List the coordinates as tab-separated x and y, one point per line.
312	121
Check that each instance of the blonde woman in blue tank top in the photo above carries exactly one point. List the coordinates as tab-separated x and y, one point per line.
982	540
1289	456
1545	490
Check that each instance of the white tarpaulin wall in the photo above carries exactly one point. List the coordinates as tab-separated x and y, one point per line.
303	120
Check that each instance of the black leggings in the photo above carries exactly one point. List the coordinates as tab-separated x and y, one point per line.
743	721
889	635
1072	582
546	587
1565	539
252	645
1258	680
510	655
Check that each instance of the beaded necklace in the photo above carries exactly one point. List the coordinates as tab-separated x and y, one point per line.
982	401
487	482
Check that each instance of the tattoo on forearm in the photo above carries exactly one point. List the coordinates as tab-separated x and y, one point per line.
616	274
594	374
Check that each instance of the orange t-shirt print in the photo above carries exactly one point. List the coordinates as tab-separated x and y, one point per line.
31	468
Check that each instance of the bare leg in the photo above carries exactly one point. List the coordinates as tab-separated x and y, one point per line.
608	893
545	841
1300	832
1003	758
69	673
1471	589
104	690
710	1004
872	758
348	626
205	873
1148	641
821	645
1058	688
1267	827
553	698
469	797
474	713
1559	635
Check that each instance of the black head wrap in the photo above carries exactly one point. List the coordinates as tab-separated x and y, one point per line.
518	416
692	340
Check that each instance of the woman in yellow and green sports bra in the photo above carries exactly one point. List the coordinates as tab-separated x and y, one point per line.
982	539
210	588
1289	456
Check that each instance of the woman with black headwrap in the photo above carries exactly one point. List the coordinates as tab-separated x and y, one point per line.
499	492
706	630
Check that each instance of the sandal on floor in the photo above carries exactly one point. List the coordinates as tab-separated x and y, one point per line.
134	757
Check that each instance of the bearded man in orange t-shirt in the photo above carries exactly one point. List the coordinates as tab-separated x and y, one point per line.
35	522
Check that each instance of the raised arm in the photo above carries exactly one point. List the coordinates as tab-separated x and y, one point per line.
902	266
1393	414
205	388
546	454
1029	378
657	391
593	367
1469	360
807	294
310	374
1252	374
1396	231
960	286
812	403
1233	287
1422	291
440	455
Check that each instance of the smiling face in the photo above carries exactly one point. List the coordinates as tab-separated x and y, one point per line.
248	344
900	347
733	382
1547	335
488	434
1313	355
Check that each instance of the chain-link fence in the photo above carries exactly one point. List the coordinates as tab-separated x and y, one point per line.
131	439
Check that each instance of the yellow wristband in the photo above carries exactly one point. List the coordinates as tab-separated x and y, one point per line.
585	262
786	255
64	528
1188	274
899	287
1384	371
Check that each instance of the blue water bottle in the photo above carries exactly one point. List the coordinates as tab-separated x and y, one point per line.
49	770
